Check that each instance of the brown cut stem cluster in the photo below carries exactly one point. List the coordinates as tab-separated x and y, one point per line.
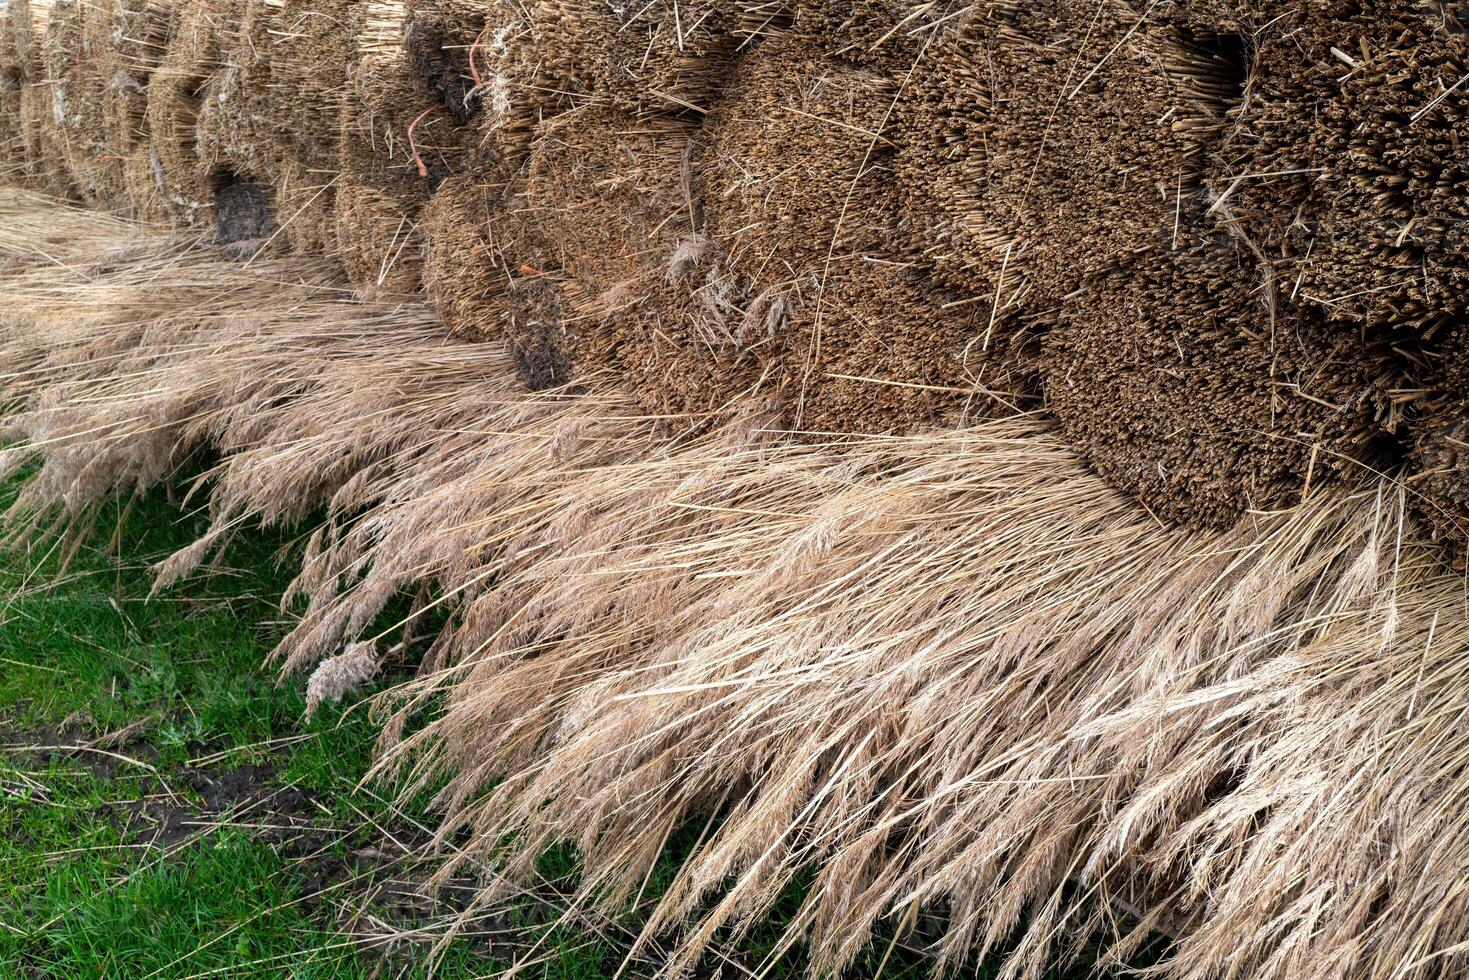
1222	243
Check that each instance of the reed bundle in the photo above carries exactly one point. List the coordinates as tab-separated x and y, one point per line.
175	98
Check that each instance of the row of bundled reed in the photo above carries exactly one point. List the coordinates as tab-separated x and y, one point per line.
950	673
879	215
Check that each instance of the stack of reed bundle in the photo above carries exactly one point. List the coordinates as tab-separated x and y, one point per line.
878	215
470	220
134	41
603	206
308	72
1049	138
1068	161
1179	382
800	286
1362	202
230	122
71	56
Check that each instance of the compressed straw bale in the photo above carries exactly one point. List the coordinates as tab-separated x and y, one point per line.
1064	160
291	63
305	199
444	40
232	114
466	273
1345	171
891	35
641	57
241	133
756	250
98	58
536	60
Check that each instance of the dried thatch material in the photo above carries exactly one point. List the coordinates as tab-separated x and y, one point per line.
12	82
604	202
474	226
76	77
801	281
75	33
1046	140
536	60
514	92
754	251
398	142
175	95
308	56
232	125
642	58
1200	398
27	25
1344	165
951	670
135	41
470	230
891	35
1438	444
41	135
444	38
379	191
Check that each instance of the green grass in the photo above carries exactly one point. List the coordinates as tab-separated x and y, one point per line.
84	653
124	859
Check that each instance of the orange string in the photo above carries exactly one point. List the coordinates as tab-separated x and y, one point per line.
413	146
474	68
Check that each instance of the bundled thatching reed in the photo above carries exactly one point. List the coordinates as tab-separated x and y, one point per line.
72	61
754	381
876	213
12	83
130	51
175	97
950	671
43	159
1015	108
401	138
1364	203
1194	396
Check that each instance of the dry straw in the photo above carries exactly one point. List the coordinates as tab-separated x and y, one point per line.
951	670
